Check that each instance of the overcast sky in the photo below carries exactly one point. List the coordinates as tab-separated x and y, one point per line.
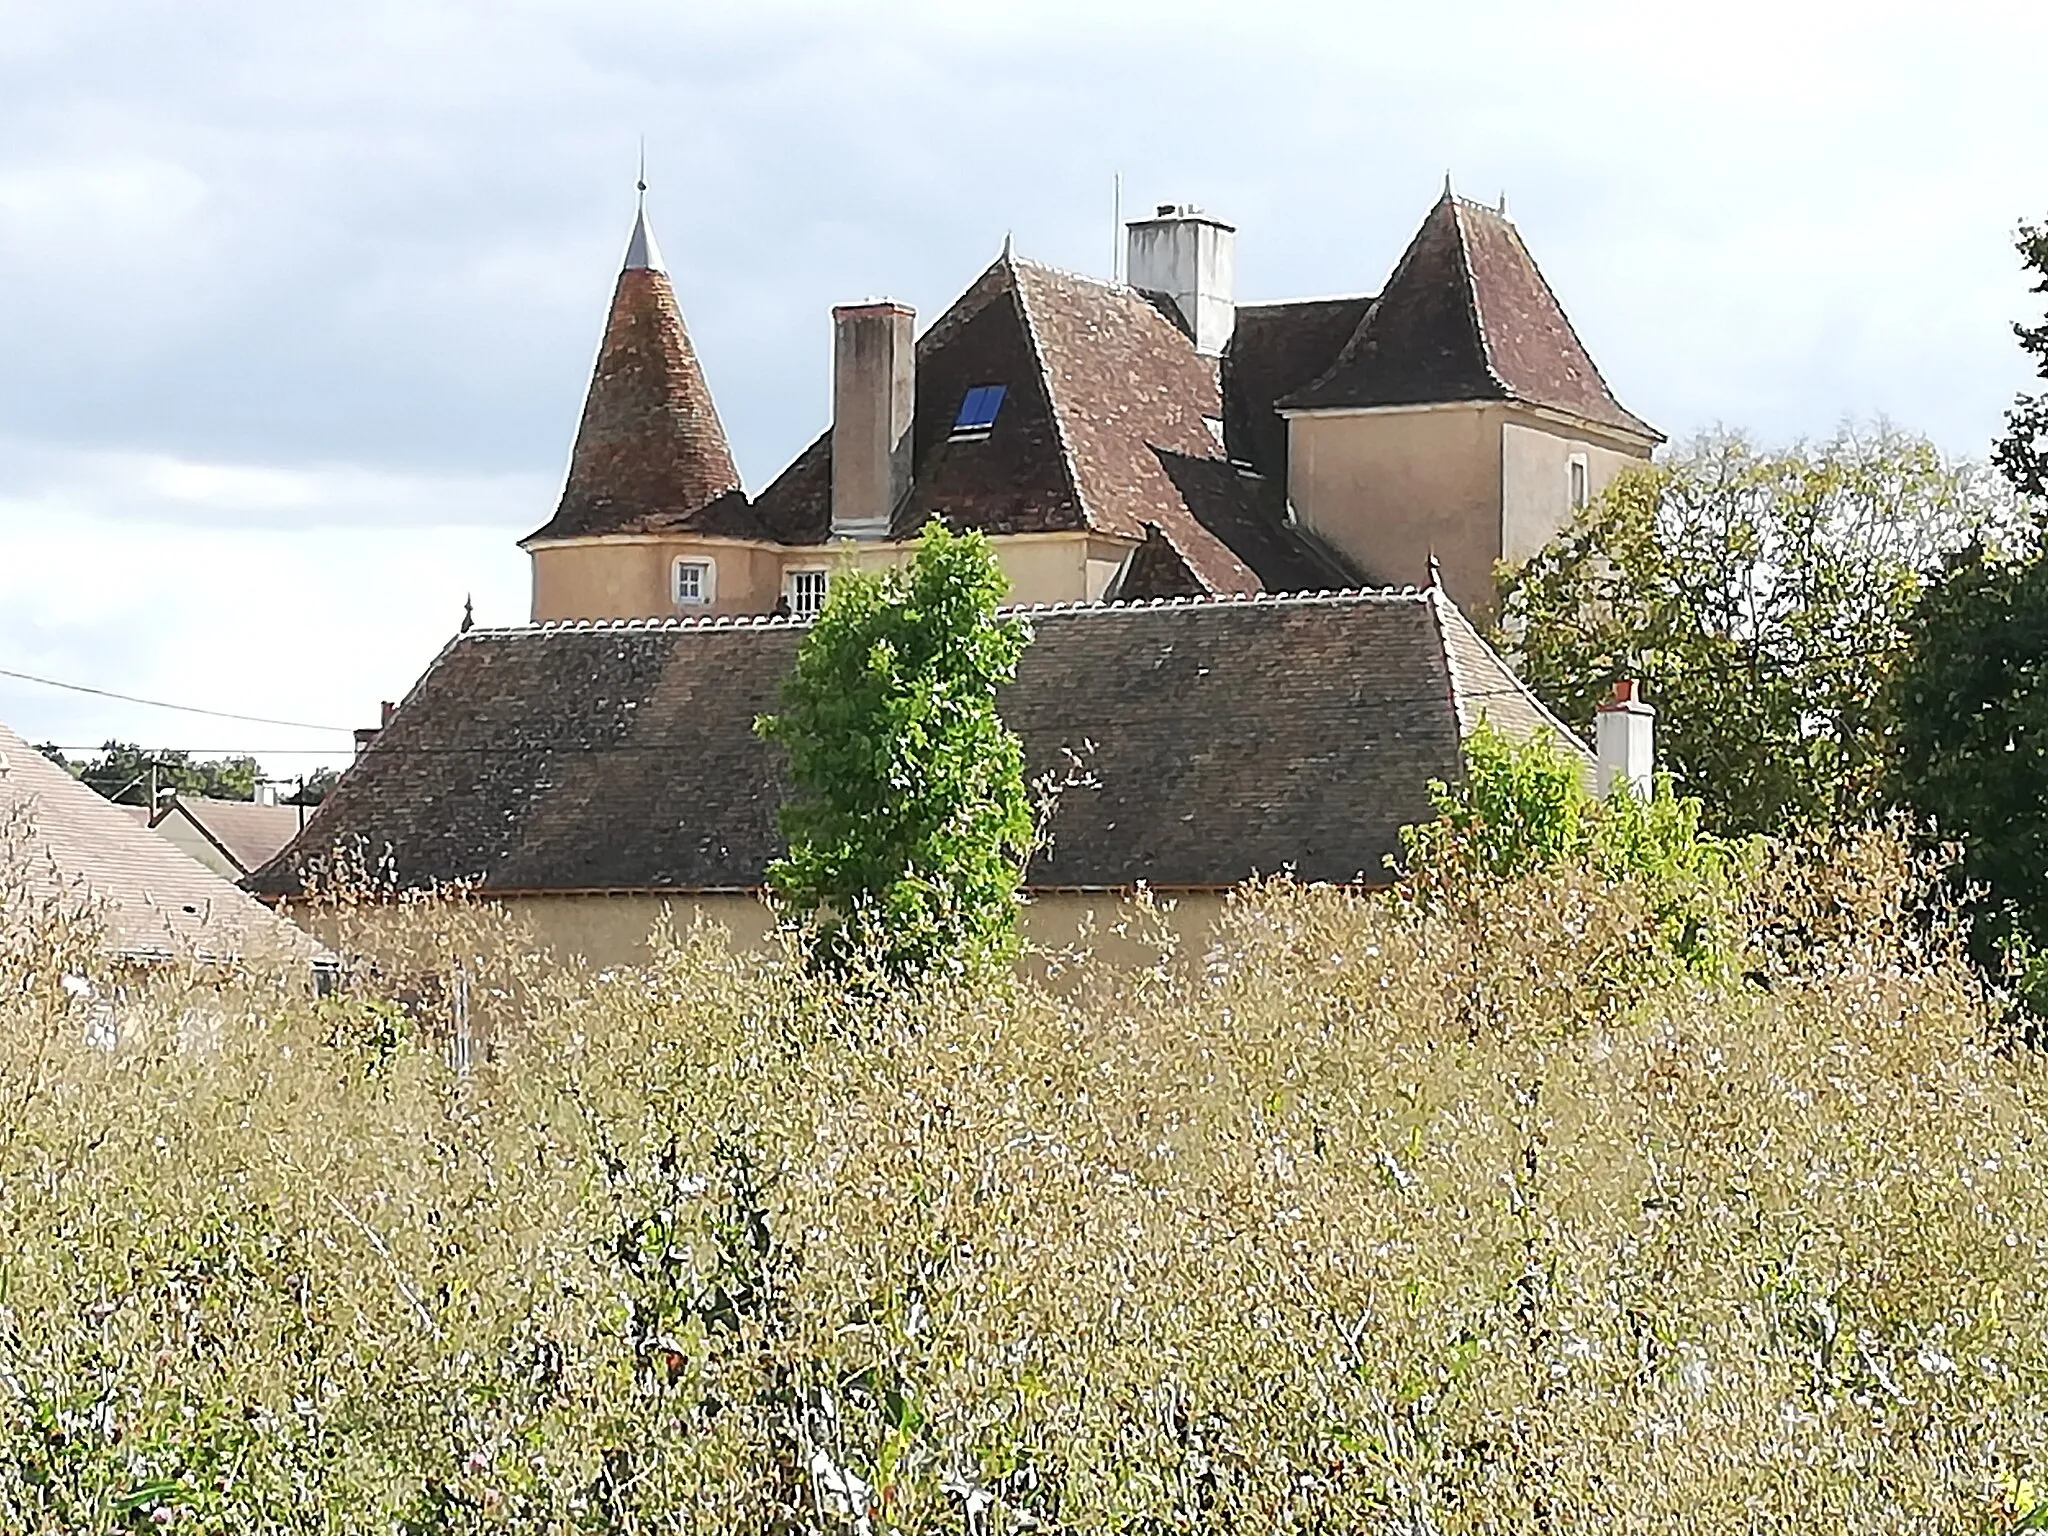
297	303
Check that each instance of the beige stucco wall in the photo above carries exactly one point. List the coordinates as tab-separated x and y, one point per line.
1535	459
1388	488
1475	483
1061	929
630	576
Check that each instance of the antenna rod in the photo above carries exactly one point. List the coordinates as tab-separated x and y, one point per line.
1116	233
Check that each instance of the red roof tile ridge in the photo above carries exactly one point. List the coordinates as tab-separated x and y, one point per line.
1328	597
1069	465
1459	207
1440	605
1515	233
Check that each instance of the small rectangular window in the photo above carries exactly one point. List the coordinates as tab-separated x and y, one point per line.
1579	487
806	593
694	583
977	416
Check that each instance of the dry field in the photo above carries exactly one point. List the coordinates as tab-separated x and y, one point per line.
1373	1218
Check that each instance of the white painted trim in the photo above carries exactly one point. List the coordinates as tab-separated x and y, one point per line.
789	575
1434	407
707	588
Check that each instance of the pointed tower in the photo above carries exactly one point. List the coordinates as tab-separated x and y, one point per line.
650	465
650	453
1464	418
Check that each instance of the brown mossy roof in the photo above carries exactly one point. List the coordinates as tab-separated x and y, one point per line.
650	454
1467	315
1225	739
1106	404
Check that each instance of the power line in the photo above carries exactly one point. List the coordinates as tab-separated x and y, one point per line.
188	709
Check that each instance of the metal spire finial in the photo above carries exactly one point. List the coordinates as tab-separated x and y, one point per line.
468	613
1447	185
1436	572
641	251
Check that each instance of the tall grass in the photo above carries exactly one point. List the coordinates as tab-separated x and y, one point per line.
1367	1217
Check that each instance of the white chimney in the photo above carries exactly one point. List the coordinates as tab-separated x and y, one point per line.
1624	744
1190	259
874	400
266	793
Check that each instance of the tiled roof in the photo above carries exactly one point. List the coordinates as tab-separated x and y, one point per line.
650	454
1225	738
1103	394
155	901
1467	316
1274	350
248	833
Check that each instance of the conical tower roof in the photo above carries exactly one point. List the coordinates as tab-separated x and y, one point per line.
650	454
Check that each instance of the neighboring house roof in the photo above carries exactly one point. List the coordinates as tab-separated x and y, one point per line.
1105	427
650	455
1466	315
246	834
155	901
1226	739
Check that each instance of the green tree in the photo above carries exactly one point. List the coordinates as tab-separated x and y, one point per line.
1523	807
314	787
125	772
1971	752
911	823
2022	454
1762	598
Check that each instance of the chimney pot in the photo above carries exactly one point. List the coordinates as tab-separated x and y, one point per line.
1624	743
384	713
1189	259
874	400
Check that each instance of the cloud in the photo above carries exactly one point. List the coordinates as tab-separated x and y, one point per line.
298	303
315	622
56	485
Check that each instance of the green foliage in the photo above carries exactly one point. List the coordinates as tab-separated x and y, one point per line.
1971	750
1523	808
1762	598
125	772
2022	454
314	787
911	824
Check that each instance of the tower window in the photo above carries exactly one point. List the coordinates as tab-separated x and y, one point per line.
696	582
807	592
1580	485
977	416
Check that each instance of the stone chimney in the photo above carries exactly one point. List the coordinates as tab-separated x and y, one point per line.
1189	259
365	734
1624	746
874	398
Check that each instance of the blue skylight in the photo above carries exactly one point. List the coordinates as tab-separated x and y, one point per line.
978	410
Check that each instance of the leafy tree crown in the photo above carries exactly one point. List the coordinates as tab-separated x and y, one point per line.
911	822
